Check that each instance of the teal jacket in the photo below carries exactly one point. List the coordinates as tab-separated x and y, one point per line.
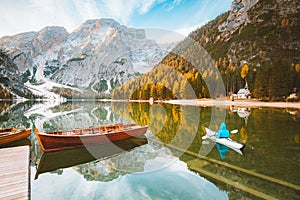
222	132
222	150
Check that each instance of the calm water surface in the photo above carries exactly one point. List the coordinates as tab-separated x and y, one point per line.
171	161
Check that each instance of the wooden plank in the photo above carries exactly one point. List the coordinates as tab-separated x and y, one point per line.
9	182
16	196
14	172
9	168
9	175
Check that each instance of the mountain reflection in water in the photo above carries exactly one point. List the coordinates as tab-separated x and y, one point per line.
69	158
156	169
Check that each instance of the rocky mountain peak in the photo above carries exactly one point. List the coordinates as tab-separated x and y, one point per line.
98	56
97	25
48	37
237	17
52	33
105	27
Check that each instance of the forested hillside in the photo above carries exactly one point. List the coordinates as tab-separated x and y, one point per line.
263	50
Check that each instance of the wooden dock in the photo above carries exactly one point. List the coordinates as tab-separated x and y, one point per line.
14	172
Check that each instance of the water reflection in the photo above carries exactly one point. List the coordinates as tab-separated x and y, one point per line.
242	112
12	114
208	145
57	160
271	134
22	142
222	150
174	182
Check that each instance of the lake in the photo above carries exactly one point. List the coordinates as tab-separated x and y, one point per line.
171	161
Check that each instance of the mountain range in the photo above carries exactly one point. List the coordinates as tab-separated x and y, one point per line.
98	56
256	42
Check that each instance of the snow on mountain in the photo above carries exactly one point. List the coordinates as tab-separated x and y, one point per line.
45	89
99	55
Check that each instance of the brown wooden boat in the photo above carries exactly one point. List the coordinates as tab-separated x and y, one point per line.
10	135
60	140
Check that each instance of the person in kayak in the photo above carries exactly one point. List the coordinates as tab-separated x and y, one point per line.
222	132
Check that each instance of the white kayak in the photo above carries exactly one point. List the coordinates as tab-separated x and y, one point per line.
210	134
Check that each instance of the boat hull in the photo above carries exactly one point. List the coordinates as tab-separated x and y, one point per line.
51	143
13	136
224	141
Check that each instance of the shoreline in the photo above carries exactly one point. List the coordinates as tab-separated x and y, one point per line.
222	103
252	103
238	103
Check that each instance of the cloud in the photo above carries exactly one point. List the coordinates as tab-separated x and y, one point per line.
117	9
188	29
32	15
72	185
146	6
22	16
122	10
172	5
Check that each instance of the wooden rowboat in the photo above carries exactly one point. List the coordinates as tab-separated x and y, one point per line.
60	140
10	135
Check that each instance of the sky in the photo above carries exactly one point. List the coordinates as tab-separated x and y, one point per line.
182	16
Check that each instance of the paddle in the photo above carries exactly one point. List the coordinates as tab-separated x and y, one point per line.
207	136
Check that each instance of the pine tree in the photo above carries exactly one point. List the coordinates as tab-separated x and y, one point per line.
153	92
280	83
262	81
176	89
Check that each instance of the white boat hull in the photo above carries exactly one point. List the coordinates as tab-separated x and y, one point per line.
225	141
